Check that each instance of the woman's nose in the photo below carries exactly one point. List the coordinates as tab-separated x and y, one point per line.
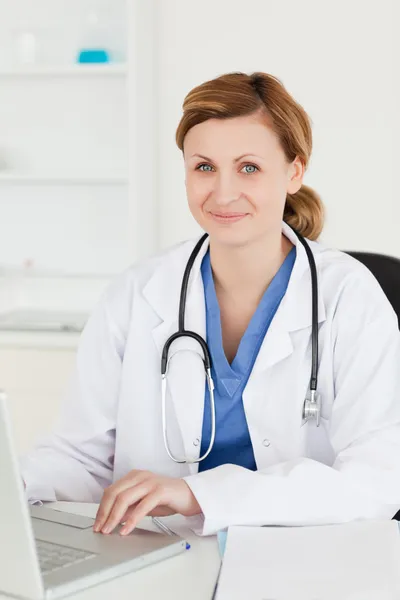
225	190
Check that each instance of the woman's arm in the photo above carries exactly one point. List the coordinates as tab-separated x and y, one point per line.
76	461
364	481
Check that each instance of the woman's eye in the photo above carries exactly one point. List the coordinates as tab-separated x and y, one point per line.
207	168
250	169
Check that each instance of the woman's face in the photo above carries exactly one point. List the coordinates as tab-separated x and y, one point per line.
237	178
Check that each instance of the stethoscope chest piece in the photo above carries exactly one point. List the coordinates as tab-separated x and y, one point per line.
312	408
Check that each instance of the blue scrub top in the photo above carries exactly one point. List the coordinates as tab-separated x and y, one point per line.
232	441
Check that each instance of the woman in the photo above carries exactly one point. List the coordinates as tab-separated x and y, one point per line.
246	145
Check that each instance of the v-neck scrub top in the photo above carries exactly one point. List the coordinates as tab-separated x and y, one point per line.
232	440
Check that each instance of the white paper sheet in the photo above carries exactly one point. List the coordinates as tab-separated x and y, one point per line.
352	561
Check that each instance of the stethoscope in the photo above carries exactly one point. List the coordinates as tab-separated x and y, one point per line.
311	406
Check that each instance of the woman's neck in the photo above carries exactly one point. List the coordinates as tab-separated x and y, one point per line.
245	272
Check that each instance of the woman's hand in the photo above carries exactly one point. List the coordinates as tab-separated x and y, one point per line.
142	493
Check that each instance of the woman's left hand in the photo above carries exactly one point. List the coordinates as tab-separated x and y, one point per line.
142	493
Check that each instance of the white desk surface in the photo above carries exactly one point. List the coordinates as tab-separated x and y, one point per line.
190	575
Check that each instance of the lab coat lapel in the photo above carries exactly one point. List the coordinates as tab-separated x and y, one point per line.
294	312
271	399
185	374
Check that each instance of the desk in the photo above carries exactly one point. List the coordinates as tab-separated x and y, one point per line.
189	576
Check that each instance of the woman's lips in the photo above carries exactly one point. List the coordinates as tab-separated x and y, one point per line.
228	217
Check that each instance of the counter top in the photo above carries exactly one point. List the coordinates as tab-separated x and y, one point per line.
39	339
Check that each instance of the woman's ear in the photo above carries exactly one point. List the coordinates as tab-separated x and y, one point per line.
296	172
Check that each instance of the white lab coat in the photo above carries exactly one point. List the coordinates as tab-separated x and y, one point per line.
348	468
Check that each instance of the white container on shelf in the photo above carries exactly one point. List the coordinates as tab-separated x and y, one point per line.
26	48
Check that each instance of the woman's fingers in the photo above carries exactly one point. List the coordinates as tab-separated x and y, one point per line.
143	508
123	501
127	514
111	493
142	493
158	511
107	502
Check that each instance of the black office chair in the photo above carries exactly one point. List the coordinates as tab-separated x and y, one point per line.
386	270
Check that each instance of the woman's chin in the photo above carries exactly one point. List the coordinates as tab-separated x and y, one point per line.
229	236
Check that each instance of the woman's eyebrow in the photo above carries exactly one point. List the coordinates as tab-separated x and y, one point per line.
235	160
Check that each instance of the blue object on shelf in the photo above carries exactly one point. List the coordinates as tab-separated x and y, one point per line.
93	55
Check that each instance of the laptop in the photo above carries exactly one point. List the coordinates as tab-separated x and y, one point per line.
45	553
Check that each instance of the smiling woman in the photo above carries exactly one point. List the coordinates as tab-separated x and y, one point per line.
237	111
260	307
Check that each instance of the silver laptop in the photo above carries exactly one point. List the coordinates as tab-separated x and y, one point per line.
45	553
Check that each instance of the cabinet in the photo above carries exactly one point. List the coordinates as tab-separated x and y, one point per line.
35	380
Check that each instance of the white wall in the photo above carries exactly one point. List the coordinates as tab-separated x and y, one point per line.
143	127
339	60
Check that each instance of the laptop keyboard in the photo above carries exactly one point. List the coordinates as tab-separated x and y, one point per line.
53	557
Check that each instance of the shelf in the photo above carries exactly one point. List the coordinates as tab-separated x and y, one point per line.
60	180
67	71
39	339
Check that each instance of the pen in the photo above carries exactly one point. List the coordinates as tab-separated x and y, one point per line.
216	583
165	528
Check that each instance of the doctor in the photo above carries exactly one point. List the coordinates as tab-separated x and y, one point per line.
266	459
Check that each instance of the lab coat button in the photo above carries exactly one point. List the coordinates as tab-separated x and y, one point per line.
196	442
266	443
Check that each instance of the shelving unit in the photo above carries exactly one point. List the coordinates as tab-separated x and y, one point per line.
73	205
14	178
78	70
64	182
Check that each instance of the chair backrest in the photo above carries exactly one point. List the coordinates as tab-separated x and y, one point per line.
386	270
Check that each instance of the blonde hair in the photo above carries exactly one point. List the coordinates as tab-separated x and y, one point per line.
238	94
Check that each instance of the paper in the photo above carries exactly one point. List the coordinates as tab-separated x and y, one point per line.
352	561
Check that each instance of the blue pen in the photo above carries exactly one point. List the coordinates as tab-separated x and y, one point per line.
216	583
165	529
